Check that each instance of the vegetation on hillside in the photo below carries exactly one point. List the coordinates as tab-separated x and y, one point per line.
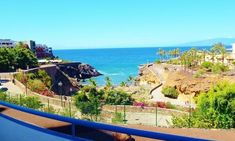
39	81
215	109
195	59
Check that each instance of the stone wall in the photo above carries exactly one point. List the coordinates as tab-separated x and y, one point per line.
45	99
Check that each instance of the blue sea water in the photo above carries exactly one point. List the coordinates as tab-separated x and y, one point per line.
117	63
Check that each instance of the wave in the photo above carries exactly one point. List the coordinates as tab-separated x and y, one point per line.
111	74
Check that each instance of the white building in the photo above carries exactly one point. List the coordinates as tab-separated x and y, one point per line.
233	49
31	44
7	43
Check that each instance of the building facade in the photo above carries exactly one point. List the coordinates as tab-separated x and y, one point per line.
31	44
40	50
7	43
43	51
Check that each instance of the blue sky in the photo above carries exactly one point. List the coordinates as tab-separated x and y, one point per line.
116	23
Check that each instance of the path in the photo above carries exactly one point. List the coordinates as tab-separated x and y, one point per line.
157	94
12	89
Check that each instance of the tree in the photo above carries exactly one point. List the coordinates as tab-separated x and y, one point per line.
7	59
88	101
161	53
123	84
25	58
217	49
215	108
130	80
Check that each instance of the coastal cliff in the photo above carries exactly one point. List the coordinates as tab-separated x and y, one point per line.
183	80
70	74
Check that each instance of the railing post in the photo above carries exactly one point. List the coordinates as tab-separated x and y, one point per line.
70	114
124	114
156	115
20	100
73	129
48	104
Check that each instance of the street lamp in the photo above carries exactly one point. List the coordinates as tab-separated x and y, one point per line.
60	84
70	90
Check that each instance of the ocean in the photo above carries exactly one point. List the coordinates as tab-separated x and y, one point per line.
117	63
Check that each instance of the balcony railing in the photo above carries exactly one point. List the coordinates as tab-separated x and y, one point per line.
94	125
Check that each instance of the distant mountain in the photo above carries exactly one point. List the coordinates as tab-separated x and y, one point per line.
210	42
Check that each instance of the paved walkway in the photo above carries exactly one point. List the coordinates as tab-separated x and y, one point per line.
158	96
12	89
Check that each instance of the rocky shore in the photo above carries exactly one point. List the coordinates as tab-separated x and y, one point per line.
69	74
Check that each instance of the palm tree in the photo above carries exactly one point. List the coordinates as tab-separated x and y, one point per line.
130	80
161	53
123	84
219	48
177	52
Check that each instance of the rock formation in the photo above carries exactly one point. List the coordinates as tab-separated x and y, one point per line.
70	74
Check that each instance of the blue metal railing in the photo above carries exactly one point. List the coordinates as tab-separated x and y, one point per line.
102	126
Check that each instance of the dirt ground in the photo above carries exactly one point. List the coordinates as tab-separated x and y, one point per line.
222	135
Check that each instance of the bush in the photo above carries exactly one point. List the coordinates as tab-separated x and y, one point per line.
118	118
161	104
233	62
199	73
31	102
157	61
219	67
215	109
3	96
21	77
207	65
118	97
170	106
141	104
170	92
36	85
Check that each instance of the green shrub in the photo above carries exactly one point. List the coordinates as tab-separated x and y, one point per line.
199	73
170	106
219	67
36	85
170	92
44	77
233	62
157	61
207	65
118	118
3	96
20	77
118	97
215	109
31	102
